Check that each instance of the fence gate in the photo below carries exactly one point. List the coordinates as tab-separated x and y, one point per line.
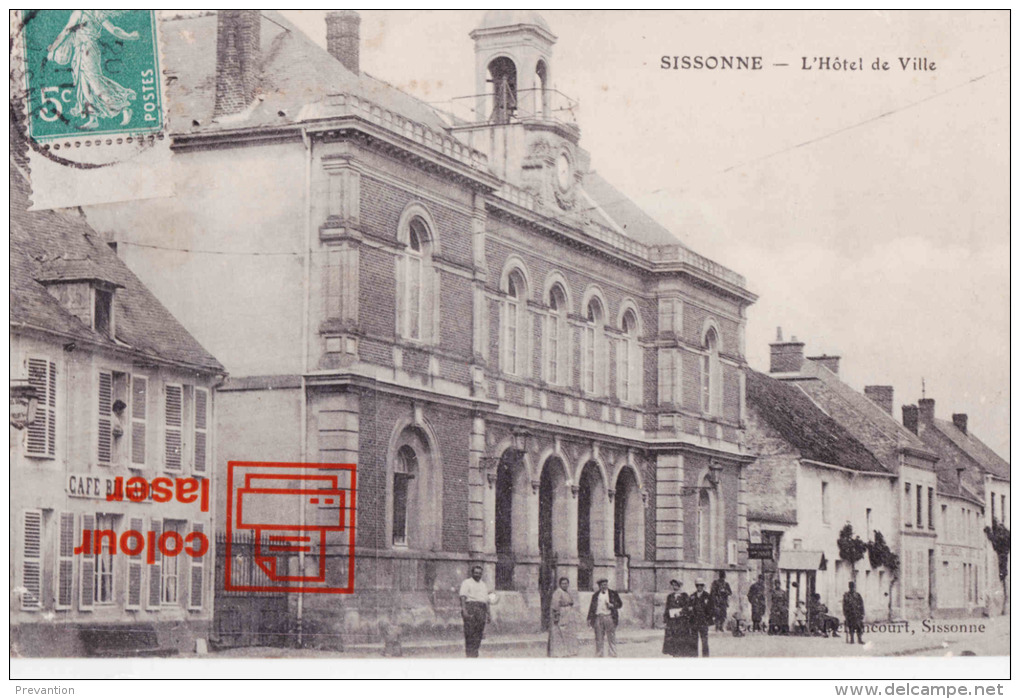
247	618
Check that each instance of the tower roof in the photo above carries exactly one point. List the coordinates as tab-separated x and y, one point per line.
495	19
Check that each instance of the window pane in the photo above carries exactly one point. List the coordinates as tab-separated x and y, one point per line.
400	508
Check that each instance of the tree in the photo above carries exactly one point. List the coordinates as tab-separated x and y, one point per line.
881	556
998	534
851	549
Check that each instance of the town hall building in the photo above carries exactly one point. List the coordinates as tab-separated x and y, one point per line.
528	372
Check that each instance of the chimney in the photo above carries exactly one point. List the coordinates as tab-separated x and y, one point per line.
881	396
237	60
926	411
786	356
960	420
910	417
343	38
830	363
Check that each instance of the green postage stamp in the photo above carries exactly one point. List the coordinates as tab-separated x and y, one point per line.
91	72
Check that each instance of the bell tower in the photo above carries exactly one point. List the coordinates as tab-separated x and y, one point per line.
526	128
513	56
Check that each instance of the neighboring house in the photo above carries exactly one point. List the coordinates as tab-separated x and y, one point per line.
527	370
811	478
978	478
122	391
868	418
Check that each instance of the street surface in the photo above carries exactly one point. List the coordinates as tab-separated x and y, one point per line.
645	643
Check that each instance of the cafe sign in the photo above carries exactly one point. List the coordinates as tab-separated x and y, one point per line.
88	485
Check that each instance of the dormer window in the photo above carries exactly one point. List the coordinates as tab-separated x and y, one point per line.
83	289
102	312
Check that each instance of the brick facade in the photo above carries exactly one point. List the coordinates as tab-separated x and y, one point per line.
407	333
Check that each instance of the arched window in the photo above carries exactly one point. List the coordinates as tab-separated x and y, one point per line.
704	526
417	305
711	379
593	348
709	519
629	367
557	339
415	492
404	471
414	274
515	325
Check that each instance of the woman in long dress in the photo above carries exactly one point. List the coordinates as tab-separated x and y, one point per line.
78	44
675	618
562	629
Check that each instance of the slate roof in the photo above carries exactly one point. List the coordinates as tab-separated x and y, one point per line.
986	458
295	73
626	214
816	435
949	484
870	421
48	244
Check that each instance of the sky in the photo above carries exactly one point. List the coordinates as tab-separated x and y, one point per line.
869	210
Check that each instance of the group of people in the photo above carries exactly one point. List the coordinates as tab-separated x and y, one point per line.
603	617
810	618
686	616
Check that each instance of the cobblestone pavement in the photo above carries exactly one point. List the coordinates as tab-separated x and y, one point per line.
916	640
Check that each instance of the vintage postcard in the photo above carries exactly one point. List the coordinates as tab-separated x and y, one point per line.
344	335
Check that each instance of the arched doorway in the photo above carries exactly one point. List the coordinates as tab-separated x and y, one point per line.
628	526
591	523
511	516
552	518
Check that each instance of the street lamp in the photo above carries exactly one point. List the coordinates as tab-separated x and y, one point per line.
714	471
518	449
24	403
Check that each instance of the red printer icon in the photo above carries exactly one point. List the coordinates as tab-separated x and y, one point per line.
290	509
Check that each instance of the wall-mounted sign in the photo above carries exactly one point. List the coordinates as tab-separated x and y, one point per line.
88	485
761	552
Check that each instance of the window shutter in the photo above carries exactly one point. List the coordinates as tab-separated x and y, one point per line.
201	422
31	560
42	432
105	433
173	415
65	562
135	577
87	569
155	569
195	590
139	409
